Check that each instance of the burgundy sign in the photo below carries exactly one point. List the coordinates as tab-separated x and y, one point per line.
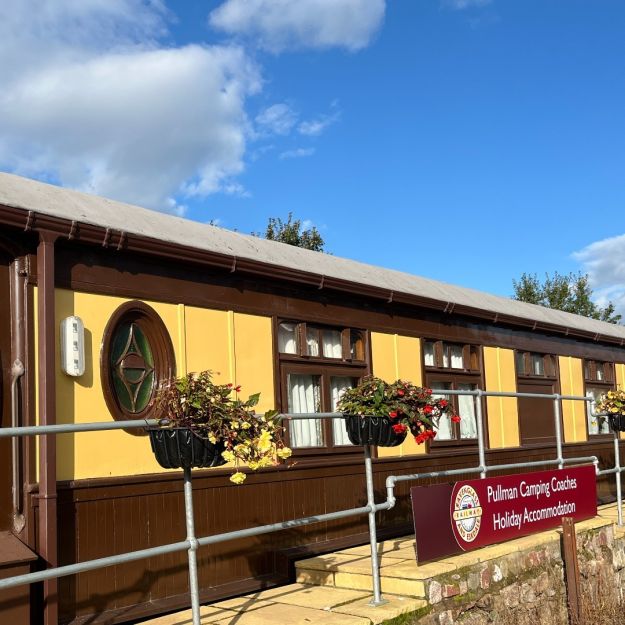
451	518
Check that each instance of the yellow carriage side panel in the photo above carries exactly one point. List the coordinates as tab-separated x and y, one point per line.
620	381
253	358
397	357
383	356
80	400
573	412
620	376
208	342
502	412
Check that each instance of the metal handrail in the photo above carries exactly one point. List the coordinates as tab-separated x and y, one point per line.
191	544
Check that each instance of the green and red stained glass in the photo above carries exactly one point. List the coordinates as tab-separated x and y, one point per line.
132	367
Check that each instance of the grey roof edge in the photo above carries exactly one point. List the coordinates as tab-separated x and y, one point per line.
31	195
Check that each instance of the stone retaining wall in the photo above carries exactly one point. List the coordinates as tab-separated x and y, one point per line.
526	586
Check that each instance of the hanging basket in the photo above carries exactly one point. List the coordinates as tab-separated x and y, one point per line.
617	422
176	448
372	431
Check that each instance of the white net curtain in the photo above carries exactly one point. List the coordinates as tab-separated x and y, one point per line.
466	410
305	396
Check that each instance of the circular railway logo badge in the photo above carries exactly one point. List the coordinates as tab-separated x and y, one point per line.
467	513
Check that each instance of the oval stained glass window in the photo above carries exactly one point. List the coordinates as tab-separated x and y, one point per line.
132	367
137	356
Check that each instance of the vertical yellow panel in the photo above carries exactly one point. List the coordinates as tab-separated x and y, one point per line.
253	358
182	341
620	382
573	412
383	356
394	357
208	342
408	358
620	376
503	414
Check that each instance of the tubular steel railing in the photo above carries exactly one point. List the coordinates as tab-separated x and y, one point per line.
192	543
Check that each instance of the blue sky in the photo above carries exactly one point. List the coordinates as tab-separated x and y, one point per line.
463	140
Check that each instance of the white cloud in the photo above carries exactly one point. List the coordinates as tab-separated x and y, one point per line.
465	4
315	127
92	99
297	153
277	25
278	119
604	261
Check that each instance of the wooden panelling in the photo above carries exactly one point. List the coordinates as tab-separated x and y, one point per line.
107	516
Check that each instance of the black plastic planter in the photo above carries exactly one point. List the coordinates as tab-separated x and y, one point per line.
617	422
372	431
180	448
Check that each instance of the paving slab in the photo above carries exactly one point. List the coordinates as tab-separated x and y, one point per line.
343	562
395	607
317	597
292	615
208	613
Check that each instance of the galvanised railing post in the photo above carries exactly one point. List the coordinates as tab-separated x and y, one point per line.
556	416
617	476
194	589
480	432
373	535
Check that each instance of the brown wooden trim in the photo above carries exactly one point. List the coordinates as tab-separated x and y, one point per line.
162	350
47	416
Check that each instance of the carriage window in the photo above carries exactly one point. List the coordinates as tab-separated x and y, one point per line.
137	356
317	363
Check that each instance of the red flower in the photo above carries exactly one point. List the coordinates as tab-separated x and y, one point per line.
456	419
399	428
237	388
393	414
229	385
427	409
400	392
443	403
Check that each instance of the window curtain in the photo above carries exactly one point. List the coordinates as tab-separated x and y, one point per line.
337	386
305	396
332	347
456	357
312	342
442	425
428	354
466	408
596	425
287	343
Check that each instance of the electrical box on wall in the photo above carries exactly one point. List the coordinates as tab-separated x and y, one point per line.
73	346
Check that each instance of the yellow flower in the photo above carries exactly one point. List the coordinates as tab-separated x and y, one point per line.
252	464
266	461
264	442
238	477
246	425
284	453
212	438
228	455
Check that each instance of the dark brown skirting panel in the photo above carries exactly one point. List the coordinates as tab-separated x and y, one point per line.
101	517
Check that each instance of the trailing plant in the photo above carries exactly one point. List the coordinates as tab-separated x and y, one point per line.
612	402
409	407
216	413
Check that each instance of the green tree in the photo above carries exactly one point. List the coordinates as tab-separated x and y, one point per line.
571	293
292	233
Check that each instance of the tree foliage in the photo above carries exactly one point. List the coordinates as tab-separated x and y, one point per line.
292	232
570	293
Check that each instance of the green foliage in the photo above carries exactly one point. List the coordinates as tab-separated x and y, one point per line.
570	293
291	233
409	407
215	412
